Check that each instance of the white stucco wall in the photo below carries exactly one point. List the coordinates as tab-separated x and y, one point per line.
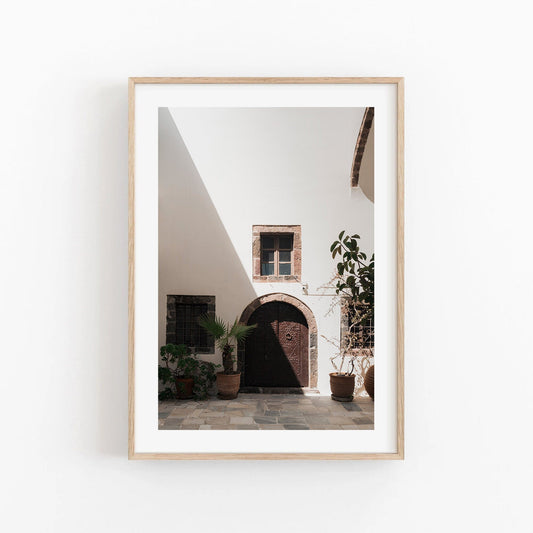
222	171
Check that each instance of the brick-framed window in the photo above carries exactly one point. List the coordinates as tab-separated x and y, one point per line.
277	253
183	312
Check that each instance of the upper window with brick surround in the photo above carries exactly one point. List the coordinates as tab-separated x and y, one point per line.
277	253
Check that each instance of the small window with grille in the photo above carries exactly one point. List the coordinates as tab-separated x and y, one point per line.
354	333
182	322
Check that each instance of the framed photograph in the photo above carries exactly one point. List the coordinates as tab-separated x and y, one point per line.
266	268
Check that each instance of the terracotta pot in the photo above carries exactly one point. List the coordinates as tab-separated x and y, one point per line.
341	387
369	381
228	385
184	388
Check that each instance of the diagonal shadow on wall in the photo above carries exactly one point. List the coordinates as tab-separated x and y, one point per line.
196	255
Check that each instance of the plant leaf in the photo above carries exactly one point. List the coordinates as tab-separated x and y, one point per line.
214	325
240	331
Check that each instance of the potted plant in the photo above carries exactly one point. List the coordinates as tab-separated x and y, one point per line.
348	377
191	377
227	336
355	284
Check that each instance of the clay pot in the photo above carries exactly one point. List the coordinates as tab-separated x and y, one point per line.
369	381
228	385
184	388
342	387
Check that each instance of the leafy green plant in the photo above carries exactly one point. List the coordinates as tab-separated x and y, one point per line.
227	336
204	379
355	276
355	287
176	361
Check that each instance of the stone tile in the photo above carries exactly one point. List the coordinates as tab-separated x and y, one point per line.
189	404
248	413
295	426
265	420
307	409
193	421
241	420
234	413
214	414
173	423
350	406
176	413
216	408
168	403
340	420
217	421
362	421
292	412
364	400
291	420
322	410
316	419
267	411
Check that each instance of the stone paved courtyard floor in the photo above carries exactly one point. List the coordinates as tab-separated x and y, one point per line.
267	411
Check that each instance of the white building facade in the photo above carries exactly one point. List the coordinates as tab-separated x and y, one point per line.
250	201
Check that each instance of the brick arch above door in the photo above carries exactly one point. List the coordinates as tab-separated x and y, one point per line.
311	322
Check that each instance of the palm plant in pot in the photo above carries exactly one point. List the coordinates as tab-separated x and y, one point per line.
355	285
227	337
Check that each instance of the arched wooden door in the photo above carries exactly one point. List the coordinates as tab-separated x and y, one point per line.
277	352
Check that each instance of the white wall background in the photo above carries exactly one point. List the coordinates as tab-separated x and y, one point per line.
63	219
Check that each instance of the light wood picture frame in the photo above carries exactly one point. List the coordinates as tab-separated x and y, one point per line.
136	138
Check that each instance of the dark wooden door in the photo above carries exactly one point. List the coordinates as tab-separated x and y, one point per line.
277	352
